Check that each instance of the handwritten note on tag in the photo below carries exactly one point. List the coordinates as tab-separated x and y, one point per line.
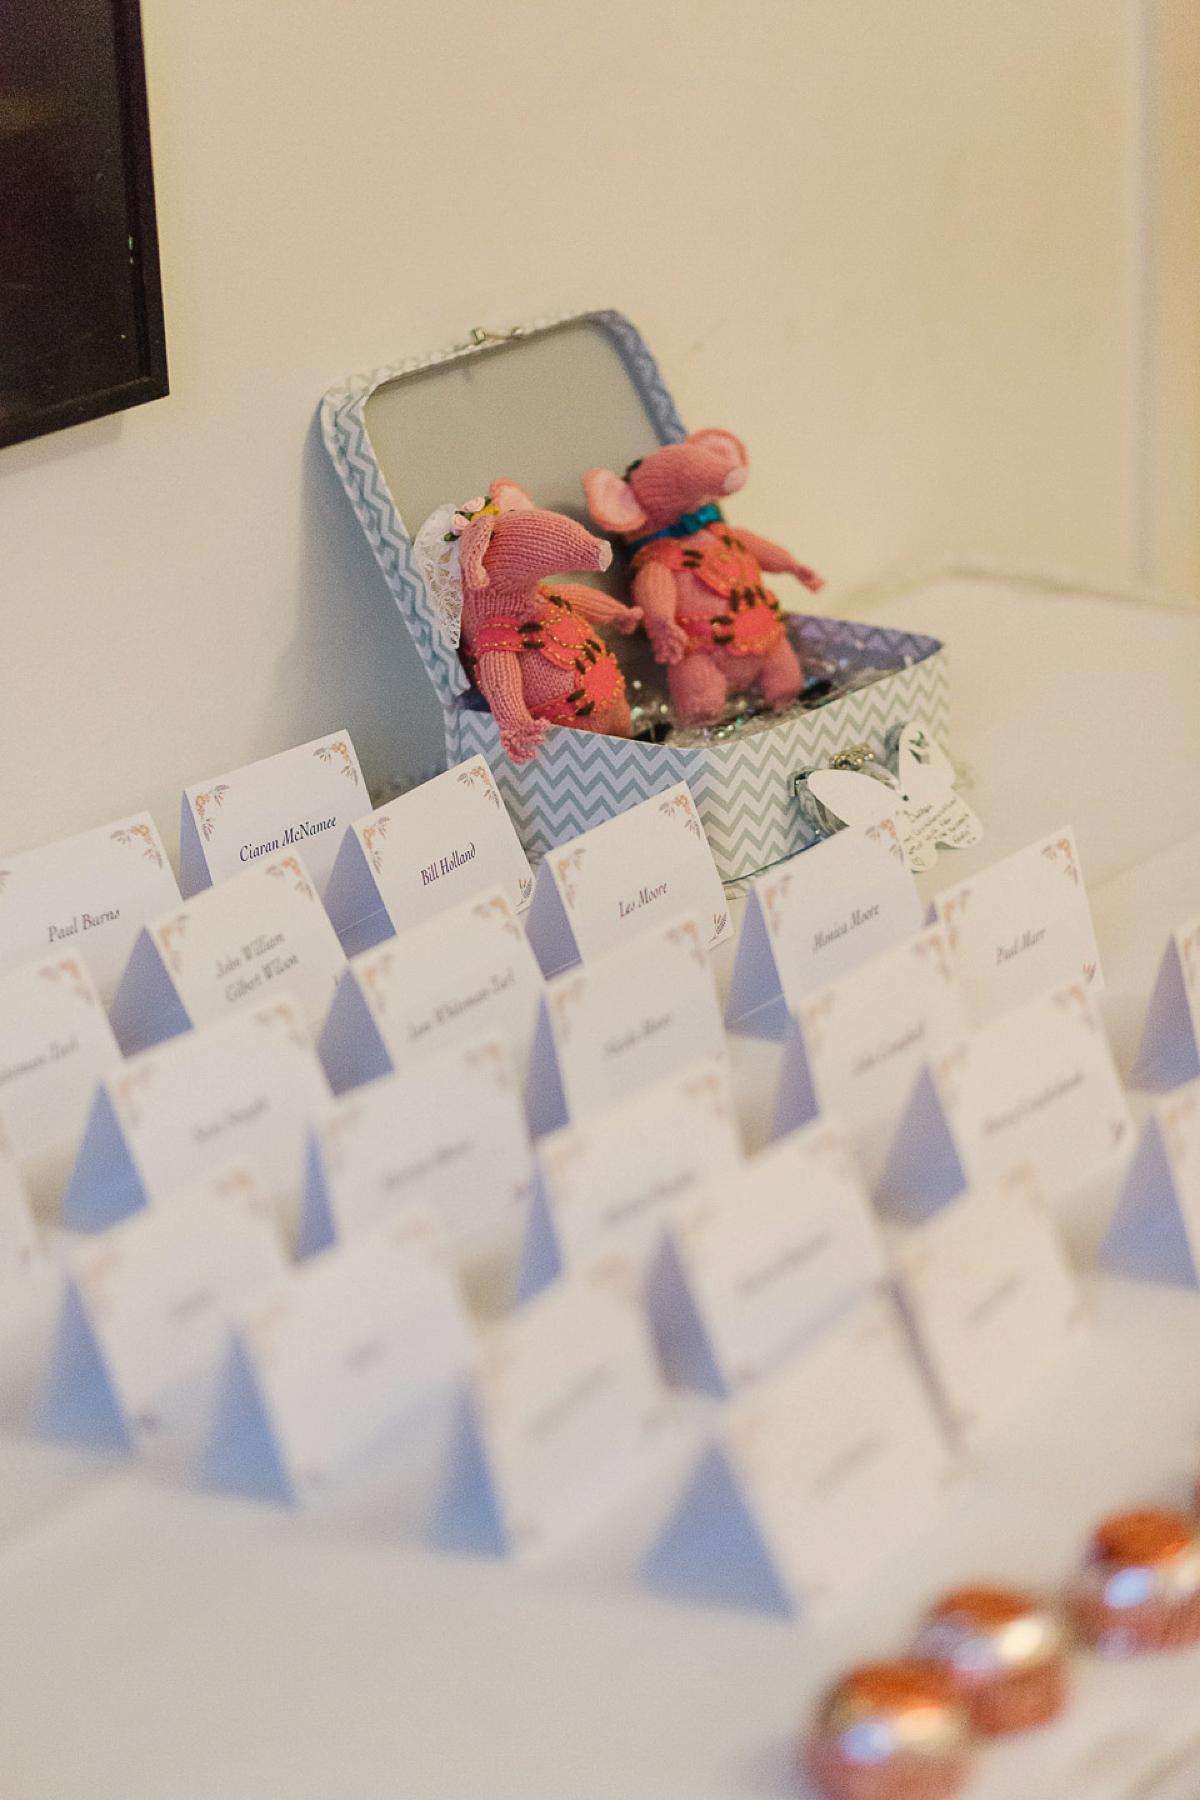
303	799
230	946
85	896
446	842
1020	927
637	869
468	972
816	917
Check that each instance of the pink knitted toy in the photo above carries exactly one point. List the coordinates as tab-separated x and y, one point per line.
698	581
528	644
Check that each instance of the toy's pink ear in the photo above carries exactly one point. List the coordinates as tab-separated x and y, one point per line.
473	547
611	502
723	442
510	496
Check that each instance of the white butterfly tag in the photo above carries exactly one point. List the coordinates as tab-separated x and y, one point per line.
920	797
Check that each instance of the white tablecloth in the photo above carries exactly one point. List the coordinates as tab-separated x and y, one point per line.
162	1645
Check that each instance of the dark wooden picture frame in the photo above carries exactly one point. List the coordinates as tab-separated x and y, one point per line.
81	316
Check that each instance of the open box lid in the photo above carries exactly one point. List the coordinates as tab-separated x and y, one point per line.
541	405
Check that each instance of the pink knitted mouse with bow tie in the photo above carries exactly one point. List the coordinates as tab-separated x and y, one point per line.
699	581
528	642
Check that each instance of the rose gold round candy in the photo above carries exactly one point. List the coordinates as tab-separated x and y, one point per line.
1140	1585
890	1731
1005	1654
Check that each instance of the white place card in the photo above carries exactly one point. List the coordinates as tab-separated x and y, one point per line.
855	1048
334	1366
303	799
245	1089
147	1312
621	1022
23	1260
1036	1086
446	842
55	1045
747	1273
450	1132
816	917
1020	927
230	947
1169	1051
87	896
566	1406
605	1189
991	1297
816	1476
467	973
1154	1233
634	871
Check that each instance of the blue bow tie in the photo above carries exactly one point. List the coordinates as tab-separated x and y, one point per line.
686	525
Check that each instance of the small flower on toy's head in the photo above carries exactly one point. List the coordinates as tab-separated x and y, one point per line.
470	510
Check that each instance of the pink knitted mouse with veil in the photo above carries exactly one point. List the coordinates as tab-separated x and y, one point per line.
699	581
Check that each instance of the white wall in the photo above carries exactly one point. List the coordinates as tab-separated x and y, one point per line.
892	245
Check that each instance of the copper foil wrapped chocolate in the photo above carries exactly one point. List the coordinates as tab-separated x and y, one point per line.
1006	1654
891	1731
1140	1585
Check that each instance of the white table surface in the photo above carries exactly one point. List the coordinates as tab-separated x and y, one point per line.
163	1645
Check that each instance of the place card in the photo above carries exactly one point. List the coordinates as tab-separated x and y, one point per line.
55	1045
745	1274
1020	927
855	1048
816	1476
991	1297
446	842
24	1264
1154	1233
638	869
621	1022
303	799
1036	1086
147	1311
816	917
229	947
1169	1051
467	973
605	1189
87	896
334	1367
566	1406
450	1132
245	1089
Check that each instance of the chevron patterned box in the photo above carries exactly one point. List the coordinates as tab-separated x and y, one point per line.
542	404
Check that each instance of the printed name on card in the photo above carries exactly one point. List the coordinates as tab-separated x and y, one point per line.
55	1045
816	917
248	1088
1036	1086
467	973
816	1476
566	1406
605	886
747	1273
1169	1051
606	1188
446	842
1154	1233
86	896
229	947
148	1309
855	1048
1020	927
450	1132
341	1363
303	799
24	1265
991	1297
622	1022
